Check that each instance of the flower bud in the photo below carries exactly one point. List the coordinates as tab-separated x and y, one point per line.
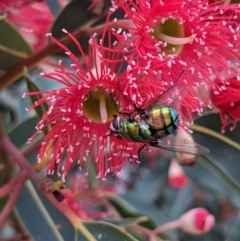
183	158
196	221
176	176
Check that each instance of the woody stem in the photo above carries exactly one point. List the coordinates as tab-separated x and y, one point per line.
167	226
51	48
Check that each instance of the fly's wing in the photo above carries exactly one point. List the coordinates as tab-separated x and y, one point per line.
171	97
183	145
175	92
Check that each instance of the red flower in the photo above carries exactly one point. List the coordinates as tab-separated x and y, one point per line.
81	112
166	36
34	21
83	200
148	87
227	98
7	4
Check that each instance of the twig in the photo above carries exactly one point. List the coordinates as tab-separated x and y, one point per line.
7	188
26	170
16	237
17	71
147	232
7	146
30	62
171	225
13	198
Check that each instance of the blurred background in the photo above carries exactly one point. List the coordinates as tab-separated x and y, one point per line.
147	195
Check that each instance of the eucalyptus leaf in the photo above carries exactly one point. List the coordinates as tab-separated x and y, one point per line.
138	236
41	219
152	184
13	47
156	215
126	206
103	231
77	14
44	222
176	202
22	131
125	209
40	109
124	222
220	170
73	16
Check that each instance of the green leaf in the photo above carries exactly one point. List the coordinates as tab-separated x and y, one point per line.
40	109
103	231
229	186
73	16
22	131
220	170
127	208
13	47
41	219
138	236
149	187
129	221
77	14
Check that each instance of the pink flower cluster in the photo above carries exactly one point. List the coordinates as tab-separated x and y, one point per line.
84	201
32	17
156	41
34	21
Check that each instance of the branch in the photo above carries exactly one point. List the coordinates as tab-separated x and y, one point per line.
167	226
147	232
30	62
13	198
7	188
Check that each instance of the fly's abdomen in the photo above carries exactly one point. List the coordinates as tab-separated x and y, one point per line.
132	131
162	121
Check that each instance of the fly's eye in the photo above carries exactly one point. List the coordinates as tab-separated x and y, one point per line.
115	123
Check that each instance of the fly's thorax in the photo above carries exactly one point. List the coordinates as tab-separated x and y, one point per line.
134	130
130	130
162	120
122	128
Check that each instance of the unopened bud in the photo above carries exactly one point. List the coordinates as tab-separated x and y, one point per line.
184	158
176	176
196	221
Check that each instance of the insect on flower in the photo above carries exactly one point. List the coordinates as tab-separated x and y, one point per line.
154	124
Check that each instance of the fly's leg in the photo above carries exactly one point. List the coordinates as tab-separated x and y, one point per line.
128	100
114	103
119	112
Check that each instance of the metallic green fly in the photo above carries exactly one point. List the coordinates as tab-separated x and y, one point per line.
154	125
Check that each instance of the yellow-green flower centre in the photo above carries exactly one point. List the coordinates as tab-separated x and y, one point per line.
171	32
99	106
